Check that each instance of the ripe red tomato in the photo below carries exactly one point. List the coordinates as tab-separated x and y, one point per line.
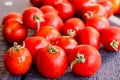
36	3
84	60
48	32
51	19
98	22
65	10
14	31
108	6
17	60
67	43
32	17
52	61
79	5
48	9
72	26
111	38
89	36
10	16
92	10
33	44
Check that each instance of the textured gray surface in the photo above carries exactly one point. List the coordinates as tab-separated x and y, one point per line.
110	68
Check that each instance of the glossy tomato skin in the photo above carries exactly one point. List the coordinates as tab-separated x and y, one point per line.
92	10
111	35
17	61
51	19
52	61
14	31
72	26
91	58
11	15
65	10
67	43
108	6
98	22
48	32
31	17
48	9
89	36
33	44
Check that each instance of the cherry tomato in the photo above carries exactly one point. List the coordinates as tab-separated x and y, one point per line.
111	38
108	6
52	61
89	36
48	32
67	43
98	22
32	17
84	60
17	60
65	10
48	9
92	10
51	19
79	5
72	26
34	43
14	31
36	3
10	16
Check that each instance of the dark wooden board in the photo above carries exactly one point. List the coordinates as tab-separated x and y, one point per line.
110	68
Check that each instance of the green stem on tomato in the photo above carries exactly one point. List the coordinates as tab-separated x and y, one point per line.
80	58
52	49
38	19
114	44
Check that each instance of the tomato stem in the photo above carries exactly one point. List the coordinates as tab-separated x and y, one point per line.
71	32
88	14
38	19
80	58
52	49
114	44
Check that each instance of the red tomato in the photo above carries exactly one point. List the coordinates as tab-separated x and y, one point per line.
10	16
79	5
84	60
115	4
36	3
14	31
89	36
17	60
65	10
48	9
32	17
98	22
52	61
53	20
33	44
48	32
51	2
72	26
92	10
108	6
111	38
67	43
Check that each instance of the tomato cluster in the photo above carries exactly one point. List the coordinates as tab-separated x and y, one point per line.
67	33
